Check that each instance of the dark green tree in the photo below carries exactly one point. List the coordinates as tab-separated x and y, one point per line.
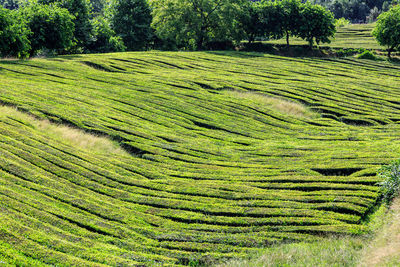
131	19
14	34
52	27
272	16
387	30
291	19
80	9
317	23
251	22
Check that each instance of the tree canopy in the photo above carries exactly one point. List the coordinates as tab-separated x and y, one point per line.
191	24
52	27
317	24
131	19
387	30
14	34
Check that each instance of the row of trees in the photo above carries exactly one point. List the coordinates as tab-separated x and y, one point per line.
73	26
81	26
199	24
285	18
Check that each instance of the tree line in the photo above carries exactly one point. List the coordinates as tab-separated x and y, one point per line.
46	27
29	28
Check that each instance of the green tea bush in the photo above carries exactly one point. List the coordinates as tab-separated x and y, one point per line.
391	185
367	55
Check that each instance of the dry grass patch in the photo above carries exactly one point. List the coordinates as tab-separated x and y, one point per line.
384	249
71	136
283	106
332	251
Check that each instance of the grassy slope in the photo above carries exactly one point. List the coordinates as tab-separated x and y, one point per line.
380	247
216	169
383	250
350	36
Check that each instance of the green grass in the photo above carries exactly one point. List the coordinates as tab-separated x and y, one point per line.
350	36
225	153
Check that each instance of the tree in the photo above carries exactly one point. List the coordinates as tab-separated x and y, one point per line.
80	9
51	26
131	19
192	24
272	17
251	21
105	39
316	23
373	15
13	34
387	30
291	17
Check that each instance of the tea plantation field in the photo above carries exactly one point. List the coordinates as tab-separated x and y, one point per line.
350	36
223	154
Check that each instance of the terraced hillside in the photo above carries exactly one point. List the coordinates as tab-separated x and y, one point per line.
350	36
224	153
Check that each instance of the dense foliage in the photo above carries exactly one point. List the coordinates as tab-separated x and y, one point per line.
131	20
105	39
52	27
387	30
317	24
192	24
285	18
14	34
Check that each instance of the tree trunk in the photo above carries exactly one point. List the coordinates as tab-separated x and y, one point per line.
389	53
311	43
200	43
287	39
251	38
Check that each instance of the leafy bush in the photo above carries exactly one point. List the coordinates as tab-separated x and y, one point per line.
339	23
391	185
367	55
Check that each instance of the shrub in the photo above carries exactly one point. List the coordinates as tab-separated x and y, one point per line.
339	23
390	187
367	55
